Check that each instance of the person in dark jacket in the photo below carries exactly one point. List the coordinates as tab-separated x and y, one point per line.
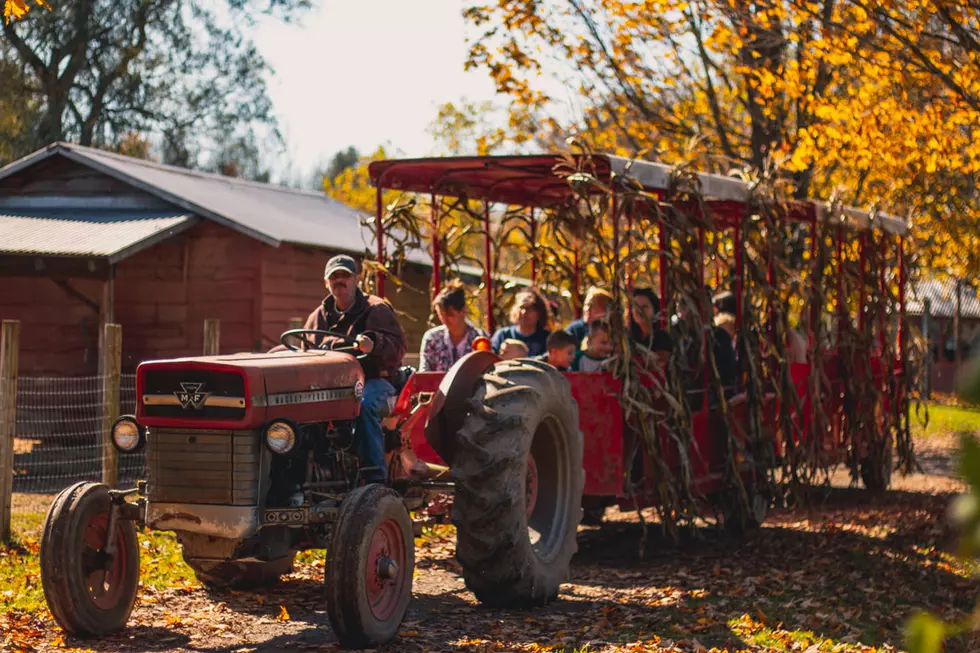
529	318
372	323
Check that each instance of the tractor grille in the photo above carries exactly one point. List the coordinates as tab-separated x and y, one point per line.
198	466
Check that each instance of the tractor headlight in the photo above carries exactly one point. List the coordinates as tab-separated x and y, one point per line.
280	437
127	434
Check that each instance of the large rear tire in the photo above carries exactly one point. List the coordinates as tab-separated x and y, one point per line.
88	592
519	478
240	574
370	567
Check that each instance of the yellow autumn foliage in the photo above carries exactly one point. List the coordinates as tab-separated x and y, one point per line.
874	101
15	9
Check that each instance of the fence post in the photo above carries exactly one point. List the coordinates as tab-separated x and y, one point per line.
111	366
296	323
9	349
212	337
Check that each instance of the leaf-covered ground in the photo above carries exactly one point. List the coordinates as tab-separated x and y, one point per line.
843	576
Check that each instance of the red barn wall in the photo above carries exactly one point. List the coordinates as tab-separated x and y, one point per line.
59	333
164	294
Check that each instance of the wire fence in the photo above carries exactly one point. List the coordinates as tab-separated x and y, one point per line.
59	433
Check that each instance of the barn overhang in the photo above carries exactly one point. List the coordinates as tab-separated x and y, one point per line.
80	243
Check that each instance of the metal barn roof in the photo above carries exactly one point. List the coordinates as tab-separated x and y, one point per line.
269	213
942	299
111	234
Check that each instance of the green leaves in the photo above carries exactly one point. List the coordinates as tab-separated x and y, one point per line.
925	634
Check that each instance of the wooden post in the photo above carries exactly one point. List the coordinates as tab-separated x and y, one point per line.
111	366
9	349
212	337
296	323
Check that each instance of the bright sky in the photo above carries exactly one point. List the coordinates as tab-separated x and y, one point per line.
366	73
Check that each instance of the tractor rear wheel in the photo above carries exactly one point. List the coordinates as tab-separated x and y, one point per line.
370	566
876	471
240	574
518	475
88	591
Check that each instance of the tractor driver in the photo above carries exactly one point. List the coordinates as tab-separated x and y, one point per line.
371	321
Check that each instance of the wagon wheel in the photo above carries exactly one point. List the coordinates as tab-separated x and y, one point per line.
370	565
240	574
740	519
88	591
876	467
518	474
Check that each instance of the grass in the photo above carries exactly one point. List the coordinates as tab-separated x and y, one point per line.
161	564
948	420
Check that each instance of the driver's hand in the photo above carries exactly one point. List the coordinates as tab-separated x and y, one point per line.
364	343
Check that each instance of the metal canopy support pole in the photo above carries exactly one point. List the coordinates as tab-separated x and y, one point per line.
379	233
613	207
840	280
576	278
436	264
488	265
663	244
901	300
814	309
534	242
863	258
702	310
629	245
738	277
882	293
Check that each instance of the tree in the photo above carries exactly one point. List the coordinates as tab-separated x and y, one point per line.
342	160
184	70
871	100
19	110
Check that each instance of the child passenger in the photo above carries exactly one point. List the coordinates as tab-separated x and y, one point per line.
561	350
513	348
598	346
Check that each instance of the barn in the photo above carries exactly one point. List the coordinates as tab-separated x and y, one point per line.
89	237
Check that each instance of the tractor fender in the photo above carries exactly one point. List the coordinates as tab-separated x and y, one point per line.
448	408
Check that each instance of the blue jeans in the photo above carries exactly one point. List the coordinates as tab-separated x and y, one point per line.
367	429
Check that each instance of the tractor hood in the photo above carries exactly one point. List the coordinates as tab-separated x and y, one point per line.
249	390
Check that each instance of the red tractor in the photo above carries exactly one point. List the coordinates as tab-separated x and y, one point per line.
249	460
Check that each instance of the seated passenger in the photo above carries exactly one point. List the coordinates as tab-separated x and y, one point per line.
597	348
561	350
513	348
443	345
529	323
595	307
660	349
643	316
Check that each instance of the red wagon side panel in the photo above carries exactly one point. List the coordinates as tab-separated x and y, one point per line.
600	416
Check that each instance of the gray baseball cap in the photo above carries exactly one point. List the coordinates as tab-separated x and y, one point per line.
340	262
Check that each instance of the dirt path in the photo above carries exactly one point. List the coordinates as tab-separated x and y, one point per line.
847	573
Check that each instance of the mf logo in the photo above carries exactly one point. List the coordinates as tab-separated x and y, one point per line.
190	396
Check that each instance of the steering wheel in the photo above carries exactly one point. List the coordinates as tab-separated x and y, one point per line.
303	334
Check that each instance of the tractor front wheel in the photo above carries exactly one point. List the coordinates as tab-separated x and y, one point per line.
370	566
89	590
519	478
